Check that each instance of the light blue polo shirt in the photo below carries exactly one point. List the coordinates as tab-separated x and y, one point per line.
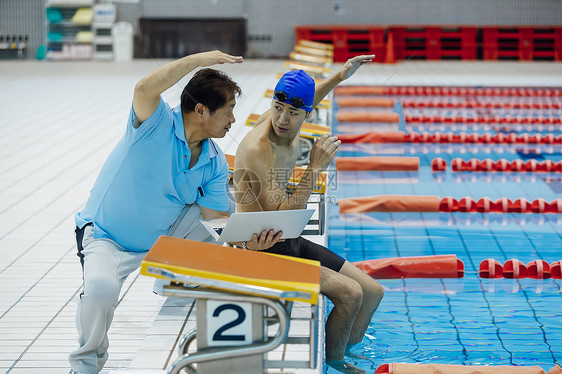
146	181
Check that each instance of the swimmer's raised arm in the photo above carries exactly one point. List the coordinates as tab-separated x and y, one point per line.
349	68
148	89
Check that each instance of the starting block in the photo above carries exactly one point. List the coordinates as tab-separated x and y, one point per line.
236	291
317	45
303	57
314	51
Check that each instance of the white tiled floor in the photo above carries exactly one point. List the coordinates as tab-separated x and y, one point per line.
58	122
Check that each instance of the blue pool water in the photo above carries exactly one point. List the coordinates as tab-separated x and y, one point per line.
468	321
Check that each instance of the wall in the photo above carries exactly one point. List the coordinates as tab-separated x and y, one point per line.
278	19
271	22
23	17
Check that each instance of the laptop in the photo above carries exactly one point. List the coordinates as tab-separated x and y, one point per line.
242	225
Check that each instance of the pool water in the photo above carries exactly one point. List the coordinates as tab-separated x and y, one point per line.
471	320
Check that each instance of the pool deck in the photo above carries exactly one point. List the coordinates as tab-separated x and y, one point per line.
59	122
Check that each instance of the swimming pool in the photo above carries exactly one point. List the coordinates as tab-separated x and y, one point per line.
467	321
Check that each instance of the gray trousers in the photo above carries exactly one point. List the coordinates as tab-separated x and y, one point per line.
106	266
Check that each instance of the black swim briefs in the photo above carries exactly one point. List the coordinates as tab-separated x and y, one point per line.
303	248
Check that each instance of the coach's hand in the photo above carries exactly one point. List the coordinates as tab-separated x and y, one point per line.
210	58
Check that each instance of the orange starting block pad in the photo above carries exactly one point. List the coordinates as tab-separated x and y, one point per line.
296	56
233	270
294	180
310	69
324	104
308	130
317	45
321	52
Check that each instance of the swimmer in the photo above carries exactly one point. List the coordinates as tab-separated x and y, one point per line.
264	163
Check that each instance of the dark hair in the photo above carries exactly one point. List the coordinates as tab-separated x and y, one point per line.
210	87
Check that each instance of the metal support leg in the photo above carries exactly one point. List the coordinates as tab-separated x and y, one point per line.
224	353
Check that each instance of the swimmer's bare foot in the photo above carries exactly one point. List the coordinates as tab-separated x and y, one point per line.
348	353
344	367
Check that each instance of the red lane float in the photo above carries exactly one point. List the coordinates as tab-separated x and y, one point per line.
538	269
365	102
438	164
555	269
490	268
441	266
486	119
450	91
514	269
438	137
413	203
377	163
355	116
545	166
504	205
389	203
403	368
475	104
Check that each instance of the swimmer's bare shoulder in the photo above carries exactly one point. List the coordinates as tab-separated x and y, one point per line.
255	146
265	117
255	159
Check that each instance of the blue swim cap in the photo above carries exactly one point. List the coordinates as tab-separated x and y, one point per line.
295	84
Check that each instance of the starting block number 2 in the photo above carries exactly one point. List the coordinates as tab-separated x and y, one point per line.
228	323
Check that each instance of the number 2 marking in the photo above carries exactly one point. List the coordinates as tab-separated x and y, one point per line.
241	317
